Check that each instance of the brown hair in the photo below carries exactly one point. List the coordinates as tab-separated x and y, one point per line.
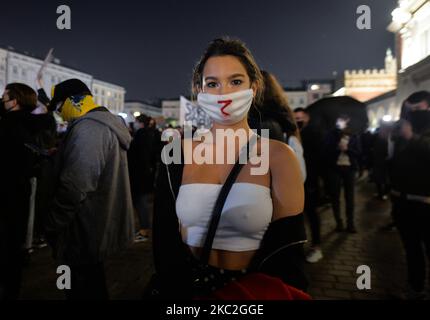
274	95
229	47
24	95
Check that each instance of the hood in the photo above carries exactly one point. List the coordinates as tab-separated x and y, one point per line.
115	124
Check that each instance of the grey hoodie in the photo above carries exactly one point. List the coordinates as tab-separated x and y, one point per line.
92	213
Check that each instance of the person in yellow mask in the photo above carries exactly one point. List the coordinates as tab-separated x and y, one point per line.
91	216
72	99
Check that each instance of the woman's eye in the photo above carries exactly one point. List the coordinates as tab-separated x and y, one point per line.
211	84
237	82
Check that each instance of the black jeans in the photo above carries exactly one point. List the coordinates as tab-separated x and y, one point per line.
311	203
88	282
142	203
342	175
412	219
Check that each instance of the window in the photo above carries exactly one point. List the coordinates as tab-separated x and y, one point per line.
23	73
103	92
15	70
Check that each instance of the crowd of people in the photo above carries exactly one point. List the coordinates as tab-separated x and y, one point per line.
215	228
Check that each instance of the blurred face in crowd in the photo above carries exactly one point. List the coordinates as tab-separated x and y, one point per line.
418	114
302	119
224	75
423	105
8	103
342	123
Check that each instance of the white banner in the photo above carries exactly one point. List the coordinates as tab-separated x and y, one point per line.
193	115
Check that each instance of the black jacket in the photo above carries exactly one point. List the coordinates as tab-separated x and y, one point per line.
273	117
142	161
312	151
281	253
332	149
15	172
409	167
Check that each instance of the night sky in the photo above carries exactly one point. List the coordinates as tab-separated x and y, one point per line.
150	47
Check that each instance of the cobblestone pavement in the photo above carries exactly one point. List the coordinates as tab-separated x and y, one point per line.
334	277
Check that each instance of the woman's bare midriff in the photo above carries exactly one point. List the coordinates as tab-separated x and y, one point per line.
228	260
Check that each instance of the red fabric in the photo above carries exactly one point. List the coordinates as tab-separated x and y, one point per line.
258	286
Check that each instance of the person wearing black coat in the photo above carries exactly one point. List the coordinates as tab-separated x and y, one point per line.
16	169
312	147
343	151
280	255
235	81
142	166
410	193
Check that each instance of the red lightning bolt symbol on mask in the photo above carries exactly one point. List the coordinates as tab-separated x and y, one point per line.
225	103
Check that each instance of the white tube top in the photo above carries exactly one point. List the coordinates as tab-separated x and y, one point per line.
245	217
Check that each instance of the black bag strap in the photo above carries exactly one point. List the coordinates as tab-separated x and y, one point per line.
219	205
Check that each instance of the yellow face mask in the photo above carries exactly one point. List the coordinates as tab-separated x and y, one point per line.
77	106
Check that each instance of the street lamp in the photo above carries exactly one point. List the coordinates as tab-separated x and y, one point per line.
136	114
387	118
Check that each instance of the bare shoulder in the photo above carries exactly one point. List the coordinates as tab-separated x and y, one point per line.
280	153
287	184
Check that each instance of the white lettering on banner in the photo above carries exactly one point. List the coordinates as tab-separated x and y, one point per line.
193	115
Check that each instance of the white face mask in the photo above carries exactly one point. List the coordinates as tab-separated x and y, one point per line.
341	124
226	109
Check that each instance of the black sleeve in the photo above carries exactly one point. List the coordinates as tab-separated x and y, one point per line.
170	255
43	97
281	253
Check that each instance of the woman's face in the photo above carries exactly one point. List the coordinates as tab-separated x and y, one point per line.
224	75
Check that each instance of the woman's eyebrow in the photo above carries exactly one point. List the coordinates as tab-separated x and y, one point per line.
236	75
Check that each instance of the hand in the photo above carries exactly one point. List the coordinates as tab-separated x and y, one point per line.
39	81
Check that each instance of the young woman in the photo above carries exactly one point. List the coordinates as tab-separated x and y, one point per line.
261	227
